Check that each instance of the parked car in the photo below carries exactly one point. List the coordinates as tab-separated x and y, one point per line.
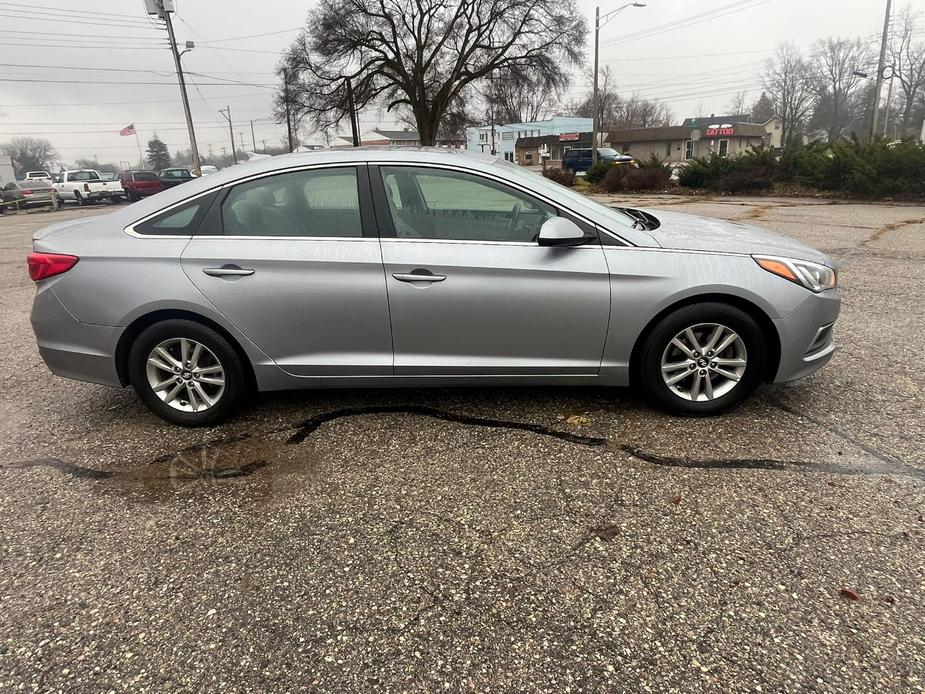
207	169
578	160
176	176
370	268
108	175
39	176
30	193
139	184
86	185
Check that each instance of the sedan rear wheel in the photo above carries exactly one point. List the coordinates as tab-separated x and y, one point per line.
702	359
186	373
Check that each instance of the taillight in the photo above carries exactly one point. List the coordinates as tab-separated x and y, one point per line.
86	187
45	265
27	192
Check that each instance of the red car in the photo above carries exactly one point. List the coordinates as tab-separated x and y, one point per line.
138	184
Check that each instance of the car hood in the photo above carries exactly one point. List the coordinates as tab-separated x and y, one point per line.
693	233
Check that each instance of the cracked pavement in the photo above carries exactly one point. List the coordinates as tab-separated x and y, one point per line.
531	539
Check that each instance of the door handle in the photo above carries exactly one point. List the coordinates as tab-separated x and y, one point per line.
417	277
227	271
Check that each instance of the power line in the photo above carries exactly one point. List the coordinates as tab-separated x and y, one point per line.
32	6
253	36
206	84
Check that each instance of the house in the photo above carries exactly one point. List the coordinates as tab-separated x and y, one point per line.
531	151
391	138
478	139
772	126
677	143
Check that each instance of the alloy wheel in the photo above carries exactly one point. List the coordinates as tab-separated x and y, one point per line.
185	374
704	362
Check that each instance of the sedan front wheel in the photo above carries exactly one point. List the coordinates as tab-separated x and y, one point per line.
702	359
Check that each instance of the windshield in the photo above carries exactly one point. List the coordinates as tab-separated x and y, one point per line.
537	180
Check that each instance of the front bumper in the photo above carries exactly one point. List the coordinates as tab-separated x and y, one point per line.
806	342
70	348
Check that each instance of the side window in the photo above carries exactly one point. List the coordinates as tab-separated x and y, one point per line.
316	202
450	205
179	221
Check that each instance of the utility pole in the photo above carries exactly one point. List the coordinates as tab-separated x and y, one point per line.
491	110
164	12
264	146
880	67
595	98
226	112
253	139
288	110
353	110
241	139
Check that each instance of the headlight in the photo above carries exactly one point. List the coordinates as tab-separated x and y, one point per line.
813	276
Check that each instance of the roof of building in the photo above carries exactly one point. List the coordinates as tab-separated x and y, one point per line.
404	135
682	132
536	140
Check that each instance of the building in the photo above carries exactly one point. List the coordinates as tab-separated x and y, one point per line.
772	126
391	138
677	143
478	139
531	151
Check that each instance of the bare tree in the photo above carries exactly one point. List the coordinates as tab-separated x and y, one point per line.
738	104
426	55
519	99
788	82
834	64
908	58
616	111
30	154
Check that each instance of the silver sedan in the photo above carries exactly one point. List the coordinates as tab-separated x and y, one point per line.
370	268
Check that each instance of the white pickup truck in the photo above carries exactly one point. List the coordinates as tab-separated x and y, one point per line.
86	185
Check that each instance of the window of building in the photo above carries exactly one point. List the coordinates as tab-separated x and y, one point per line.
723	148
508	135
450	205
688	149
528	156
318	202
667	149
483	137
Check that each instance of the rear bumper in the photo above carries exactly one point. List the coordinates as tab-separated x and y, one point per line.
70	348
806	342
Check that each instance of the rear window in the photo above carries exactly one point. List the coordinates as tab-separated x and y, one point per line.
146	176
176	173
83	176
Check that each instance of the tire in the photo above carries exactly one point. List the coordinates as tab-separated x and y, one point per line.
187	408
80	198
706	388
132	197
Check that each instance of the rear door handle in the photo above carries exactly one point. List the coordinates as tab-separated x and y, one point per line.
228	271
416	277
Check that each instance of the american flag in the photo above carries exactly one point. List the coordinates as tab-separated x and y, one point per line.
128	130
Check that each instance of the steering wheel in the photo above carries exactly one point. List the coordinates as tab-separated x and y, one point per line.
515	217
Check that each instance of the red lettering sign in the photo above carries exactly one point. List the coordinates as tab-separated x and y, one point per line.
716	132
568	137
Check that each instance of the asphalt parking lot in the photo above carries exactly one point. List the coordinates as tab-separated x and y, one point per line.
508	539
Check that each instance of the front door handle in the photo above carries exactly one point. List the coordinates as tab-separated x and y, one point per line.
228	271
418	277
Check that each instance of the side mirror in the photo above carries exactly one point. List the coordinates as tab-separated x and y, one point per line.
559	231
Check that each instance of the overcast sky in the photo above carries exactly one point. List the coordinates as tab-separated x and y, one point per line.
701	56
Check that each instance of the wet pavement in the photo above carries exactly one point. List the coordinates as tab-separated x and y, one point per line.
558	539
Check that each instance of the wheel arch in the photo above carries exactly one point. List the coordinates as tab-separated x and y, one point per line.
768	330
137	326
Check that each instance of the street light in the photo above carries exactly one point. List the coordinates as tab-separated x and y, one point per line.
597	35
